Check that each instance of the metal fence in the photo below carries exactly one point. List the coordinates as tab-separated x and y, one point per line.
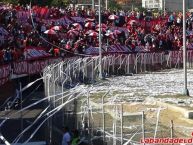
76	108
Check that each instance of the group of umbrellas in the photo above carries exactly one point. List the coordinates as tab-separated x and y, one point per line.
53	30
89	25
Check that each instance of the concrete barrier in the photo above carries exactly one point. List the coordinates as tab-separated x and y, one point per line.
185	112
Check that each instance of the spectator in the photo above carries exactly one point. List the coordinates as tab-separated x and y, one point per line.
76	138
66	137
20	31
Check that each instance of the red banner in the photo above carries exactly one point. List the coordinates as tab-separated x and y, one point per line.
37	66
5	71
33	67
20	67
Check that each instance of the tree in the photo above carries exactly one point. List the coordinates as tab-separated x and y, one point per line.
60	2
113	5
39	2
9	1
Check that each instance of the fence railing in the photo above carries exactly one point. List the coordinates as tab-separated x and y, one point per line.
78	113
73	71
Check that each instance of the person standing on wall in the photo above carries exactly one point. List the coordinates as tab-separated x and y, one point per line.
76	137
66	137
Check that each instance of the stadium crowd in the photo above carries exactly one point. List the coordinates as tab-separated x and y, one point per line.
133	29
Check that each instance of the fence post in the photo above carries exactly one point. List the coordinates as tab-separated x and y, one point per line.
21	106
89	125
143	128
172	130
103	120
121	124
92	71
128	64
145	61
136	59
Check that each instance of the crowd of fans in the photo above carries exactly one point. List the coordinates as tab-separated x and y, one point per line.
157	33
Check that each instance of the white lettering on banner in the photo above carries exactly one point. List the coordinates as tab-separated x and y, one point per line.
28	67
20	67
5	71
38	66
34	67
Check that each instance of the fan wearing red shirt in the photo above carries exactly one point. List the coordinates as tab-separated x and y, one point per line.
56	51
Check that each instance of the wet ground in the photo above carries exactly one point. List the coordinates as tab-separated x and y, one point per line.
151	84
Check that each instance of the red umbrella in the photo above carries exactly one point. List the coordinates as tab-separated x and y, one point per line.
132	22
89	31
89	24
110	35
73	32
102	29
89	20
56	28
78	41
50	32
113	17
78	26
93	34
102	26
